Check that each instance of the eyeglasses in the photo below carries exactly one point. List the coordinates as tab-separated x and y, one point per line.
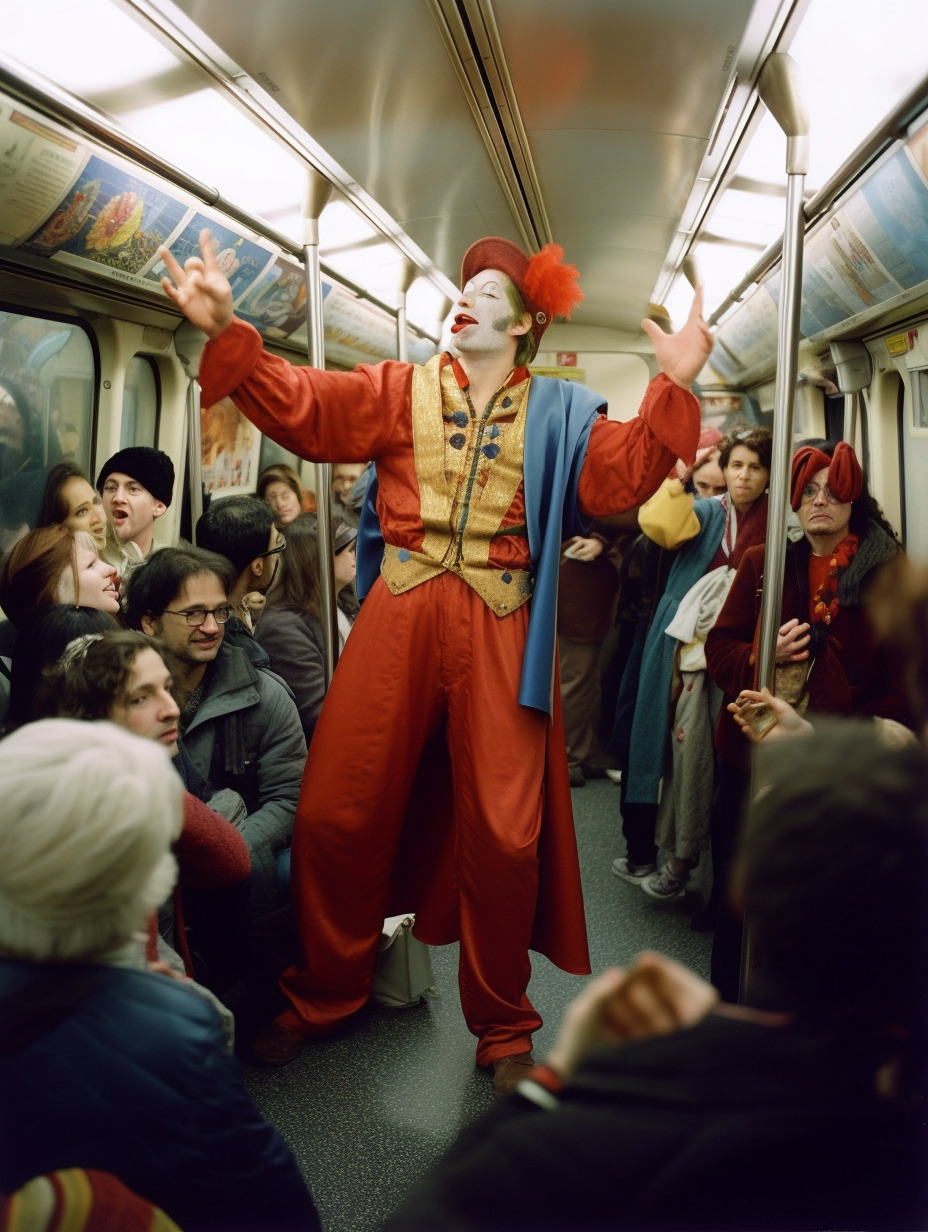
196	616
274	551
811	491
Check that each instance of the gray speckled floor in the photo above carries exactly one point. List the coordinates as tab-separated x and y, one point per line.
367	1112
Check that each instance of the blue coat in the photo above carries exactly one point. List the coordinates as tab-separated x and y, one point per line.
125	1071
652	709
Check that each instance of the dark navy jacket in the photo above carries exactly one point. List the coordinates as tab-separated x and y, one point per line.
125	1071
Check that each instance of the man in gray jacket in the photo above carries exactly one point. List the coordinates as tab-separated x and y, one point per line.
239	723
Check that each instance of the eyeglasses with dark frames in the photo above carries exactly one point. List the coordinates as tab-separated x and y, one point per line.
274	551
196	616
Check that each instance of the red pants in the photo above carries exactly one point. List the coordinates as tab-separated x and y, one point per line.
413	661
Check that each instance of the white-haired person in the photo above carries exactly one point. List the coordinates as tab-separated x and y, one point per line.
103	1063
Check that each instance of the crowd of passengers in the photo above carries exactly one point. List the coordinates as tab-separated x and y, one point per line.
144	895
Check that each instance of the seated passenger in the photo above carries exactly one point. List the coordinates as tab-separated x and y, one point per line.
70	500
122	676
660	1109
137	486
280	488
52	565
104	1064
238	723
290	630
242	529
39	644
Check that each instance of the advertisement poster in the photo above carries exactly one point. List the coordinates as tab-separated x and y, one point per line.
38	165
276	304
113	217
241	259
229	448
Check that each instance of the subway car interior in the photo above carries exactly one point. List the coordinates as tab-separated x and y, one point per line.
344	154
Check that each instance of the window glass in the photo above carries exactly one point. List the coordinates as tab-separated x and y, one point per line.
920	399
47	383
139	405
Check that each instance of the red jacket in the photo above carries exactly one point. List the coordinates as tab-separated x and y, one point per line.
852	676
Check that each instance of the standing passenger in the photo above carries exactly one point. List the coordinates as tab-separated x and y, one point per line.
482	472
137	486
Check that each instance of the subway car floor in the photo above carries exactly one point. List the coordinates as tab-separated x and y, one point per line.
367	1112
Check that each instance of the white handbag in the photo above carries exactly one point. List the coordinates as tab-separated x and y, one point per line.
403	973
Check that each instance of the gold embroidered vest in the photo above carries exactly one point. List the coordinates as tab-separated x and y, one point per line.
469	466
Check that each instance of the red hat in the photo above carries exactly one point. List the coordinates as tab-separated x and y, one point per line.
547	284
845	478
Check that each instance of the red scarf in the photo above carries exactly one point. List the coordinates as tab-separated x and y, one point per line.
824	604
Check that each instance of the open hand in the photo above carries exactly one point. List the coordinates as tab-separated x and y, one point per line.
682	355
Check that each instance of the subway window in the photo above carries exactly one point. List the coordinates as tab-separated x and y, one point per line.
48	377
139	404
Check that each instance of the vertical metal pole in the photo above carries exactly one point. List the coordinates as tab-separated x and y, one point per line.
778	87
402	341
850	419
319	191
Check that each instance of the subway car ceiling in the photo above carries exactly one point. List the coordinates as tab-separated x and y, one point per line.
632	134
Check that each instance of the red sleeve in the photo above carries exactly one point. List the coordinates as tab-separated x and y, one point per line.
210	851
627	462
322	416
730	644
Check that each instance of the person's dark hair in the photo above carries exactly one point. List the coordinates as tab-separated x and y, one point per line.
39	644
237	527
297	586
831	873
865	509
758	440
33	570
897	604
153	586
53	509
91	679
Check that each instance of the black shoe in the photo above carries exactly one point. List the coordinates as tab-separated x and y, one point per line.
577	777
592	771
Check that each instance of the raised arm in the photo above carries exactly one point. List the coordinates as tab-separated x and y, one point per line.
683	354
199	289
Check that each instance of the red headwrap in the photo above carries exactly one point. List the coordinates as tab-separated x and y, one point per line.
845	478
547	284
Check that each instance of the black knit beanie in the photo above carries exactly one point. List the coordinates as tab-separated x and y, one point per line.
152	468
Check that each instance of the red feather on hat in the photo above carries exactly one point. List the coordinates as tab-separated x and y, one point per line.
551	283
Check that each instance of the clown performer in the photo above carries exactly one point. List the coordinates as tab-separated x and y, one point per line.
437	780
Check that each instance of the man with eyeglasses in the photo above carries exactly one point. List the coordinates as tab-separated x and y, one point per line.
239	724
824	623
242	529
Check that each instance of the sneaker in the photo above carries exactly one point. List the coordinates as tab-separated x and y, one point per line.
635	873
614	775
665	886
577	777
